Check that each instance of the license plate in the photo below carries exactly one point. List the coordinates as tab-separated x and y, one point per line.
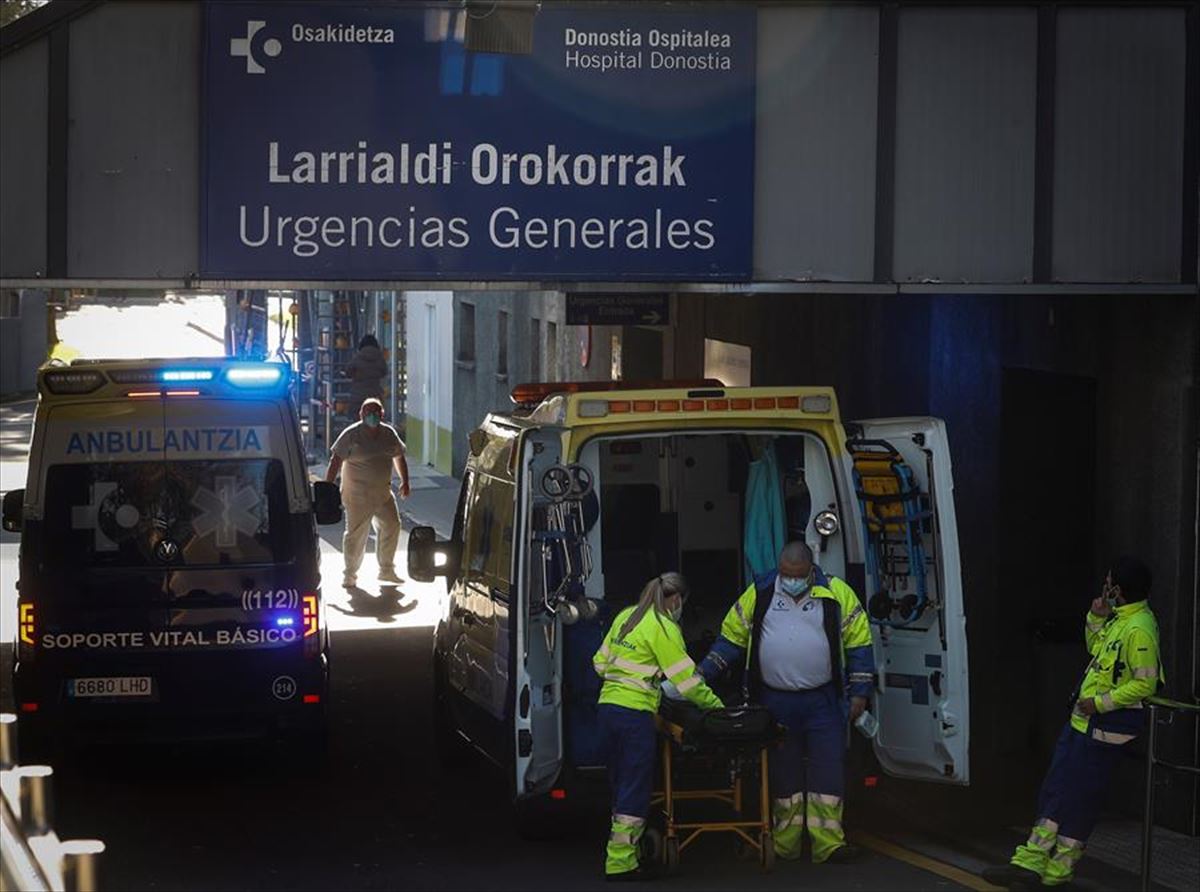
125	686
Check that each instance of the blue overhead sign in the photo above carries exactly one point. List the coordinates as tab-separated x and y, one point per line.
364	142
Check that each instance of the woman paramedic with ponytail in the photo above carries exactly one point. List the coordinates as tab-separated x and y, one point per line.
644	646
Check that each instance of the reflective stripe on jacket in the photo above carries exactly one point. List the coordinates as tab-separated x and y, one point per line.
851	653
633	666
1125	669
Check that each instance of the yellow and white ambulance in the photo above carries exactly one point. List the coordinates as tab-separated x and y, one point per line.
169	562
572	502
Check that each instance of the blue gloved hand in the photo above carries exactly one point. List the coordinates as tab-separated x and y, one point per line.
670	691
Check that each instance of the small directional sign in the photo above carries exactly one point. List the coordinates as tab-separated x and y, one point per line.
618	309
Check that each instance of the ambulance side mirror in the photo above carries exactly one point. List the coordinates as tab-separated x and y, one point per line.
429	558
14	507
327	502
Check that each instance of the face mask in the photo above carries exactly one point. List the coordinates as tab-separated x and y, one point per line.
793	585
371	420
676	612
1110	596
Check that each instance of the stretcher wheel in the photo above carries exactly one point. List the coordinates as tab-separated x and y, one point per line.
651	846
556	482
766	852
671	854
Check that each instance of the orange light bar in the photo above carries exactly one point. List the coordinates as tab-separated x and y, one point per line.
619	406
668	405
141	393
26	624
183	393
533	393
741	403
718	405
764	402
643	405
789	402
693	405
309	615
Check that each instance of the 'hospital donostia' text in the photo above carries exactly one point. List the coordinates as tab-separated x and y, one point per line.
629	49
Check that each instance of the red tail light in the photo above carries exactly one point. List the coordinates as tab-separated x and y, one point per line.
312	698
870	781
558	793
29	707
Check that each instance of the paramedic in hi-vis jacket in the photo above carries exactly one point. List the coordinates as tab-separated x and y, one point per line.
1122	637
806	645
643	647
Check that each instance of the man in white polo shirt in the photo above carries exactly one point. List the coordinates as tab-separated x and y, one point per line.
806	645
365	453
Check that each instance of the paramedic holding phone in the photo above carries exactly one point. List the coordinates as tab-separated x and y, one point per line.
644	645
808	645
1121	634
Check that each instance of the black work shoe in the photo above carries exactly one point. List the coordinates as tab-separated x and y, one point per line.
1011	875
847	853
637	875
1031	882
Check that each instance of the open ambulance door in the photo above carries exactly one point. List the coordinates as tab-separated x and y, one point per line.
537	712
913	597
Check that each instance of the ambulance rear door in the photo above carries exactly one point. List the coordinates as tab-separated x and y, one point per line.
537	724
914	598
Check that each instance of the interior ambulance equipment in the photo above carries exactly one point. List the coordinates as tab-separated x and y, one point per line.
169	561
571	502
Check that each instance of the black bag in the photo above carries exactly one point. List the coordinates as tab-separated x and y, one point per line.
735	724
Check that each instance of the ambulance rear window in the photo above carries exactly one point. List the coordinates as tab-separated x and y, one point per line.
181	513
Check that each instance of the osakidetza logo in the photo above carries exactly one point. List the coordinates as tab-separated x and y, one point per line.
253	50
244	47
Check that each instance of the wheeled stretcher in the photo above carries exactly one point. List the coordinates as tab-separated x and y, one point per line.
738	737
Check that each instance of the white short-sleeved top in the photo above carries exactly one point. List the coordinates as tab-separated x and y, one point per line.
794	653
367	456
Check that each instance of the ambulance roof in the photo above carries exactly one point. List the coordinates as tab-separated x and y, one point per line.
605	402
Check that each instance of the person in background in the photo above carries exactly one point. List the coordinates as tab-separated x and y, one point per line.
643	649
366	371
365	453
1121	634
806	645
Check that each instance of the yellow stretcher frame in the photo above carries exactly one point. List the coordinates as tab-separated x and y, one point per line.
678	835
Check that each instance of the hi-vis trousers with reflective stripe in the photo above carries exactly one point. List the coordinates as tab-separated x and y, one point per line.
807	771
1072	795
629	743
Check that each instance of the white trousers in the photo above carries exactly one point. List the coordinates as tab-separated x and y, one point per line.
362	511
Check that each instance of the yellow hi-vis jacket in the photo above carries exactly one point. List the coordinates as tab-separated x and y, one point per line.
1125	670
633	667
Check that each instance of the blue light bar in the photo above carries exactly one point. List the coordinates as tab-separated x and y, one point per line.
285	621
254	376
187	375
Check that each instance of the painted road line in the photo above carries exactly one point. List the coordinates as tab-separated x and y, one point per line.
956	874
